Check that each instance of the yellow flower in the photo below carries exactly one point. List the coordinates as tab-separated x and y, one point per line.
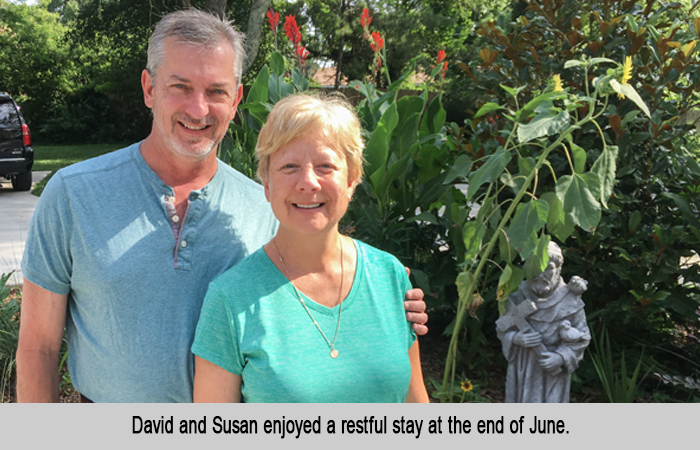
467	386
557	83
627	70
626	74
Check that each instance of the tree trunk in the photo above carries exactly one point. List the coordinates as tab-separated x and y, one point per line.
256	20
341	45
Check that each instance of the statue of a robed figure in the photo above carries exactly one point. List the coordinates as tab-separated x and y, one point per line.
544	334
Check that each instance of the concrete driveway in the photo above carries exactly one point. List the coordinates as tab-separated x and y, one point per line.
16	209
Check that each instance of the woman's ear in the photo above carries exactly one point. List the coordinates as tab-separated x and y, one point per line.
266	186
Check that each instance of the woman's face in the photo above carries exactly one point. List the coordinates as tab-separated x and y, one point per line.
308	185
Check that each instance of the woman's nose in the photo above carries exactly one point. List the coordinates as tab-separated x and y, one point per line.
308	180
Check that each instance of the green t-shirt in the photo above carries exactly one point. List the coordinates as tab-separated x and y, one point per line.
252	324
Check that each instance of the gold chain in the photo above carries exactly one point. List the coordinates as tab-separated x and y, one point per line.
331	345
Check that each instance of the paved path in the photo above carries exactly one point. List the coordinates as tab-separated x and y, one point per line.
16	209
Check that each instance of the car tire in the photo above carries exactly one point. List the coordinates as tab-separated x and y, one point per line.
22	181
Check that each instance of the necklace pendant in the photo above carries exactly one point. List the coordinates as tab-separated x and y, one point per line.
334	353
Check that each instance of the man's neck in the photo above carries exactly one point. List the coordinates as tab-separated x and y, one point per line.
177	171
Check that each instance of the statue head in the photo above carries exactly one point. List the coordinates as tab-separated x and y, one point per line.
544	284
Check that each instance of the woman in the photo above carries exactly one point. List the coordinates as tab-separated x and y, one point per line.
313	316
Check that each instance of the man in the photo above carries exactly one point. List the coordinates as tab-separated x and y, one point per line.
544	335
121	248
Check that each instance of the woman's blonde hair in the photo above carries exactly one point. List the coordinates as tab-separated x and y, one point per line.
330	117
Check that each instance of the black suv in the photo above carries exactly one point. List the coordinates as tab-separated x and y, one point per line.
16	152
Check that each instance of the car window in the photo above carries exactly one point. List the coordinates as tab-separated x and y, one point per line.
8	115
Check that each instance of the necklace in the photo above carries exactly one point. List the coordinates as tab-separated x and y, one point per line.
331	345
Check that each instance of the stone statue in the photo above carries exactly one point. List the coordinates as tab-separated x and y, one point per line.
544	335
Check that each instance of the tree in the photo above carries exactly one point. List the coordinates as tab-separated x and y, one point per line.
34	63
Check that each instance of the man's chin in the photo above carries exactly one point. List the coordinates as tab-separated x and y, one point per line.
197	151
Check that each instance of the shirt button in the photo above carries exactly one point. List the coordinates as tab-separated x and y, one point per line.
183	244
169	199
175	219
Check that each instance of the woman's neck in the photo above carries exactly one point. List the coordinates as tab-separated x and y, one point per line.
308	253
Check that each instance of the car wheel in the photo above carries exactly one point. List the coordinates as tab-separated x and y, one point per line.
22	181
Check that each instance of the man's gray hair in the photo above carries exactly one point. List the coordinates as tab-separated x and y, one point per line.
198	28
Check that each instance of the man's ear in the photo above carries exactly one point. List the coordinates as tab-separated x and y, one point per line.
147	86
239	97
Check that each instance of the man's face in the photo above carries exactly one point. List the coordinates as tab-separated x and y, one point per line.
194	97
543	284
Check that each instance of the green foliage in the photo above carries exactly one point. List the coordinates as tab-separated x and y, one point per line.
404	206
35	67
505	183
622	190
270	85
9	336
618	387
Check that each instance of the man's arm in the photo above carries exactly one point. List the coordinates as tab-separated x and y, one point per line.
415	309
43	318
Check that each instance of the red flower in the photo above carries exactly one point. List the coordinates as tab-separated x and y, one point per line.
377	42
444	69
365	19
291	29
302	53
273	18
441	56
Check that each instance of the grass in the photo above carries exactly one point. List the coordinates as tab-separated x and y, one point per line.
54	157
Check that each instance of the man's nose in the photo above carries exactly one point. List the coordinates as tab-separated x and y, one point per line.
197	105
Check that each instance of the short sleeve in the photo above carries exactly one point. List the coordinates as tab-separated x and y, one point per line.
216	339
47	258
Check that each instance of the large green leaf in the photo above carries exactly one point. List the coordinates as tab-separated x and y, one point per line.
409	105
508	282
487	108
489	171
472	233
406	132
579	156
544	124
377	148
273	90
535	104
300	82
529	218
382	179
277	64
559	223
430	160
258	92
576	193
629	92
538	259
434	117
605	166
460	169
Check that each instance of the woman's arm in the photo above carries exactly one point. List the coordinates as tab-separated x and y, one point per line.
212	384
416	388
